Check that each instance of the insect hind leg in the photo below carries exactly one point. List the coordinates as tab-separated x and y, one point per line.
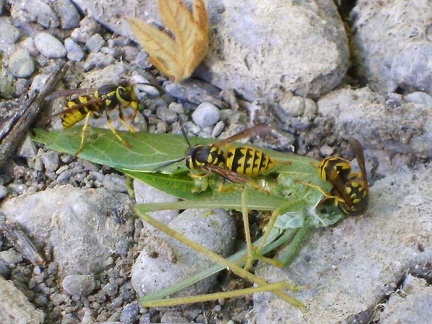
112	129
83	131
125	123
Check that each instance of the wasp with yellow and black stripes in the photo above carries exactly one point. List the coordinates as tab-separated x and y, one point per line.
350	189
235	164
93	103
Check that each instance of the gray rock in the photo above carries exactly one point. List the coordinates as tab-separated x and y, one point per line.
78	285
10	257
35	11
74	51
79	225
419	98
206	114
21	64
165	255
129	313
97	60
39	82
113	16
68	14
147	194
166	115
8	32
362	114
88	27
49	46
3	192
95	43
115	182
300	46
27	149
410	304
194	91
50	161
7	81
352	267
15	305
110	289
392	44
29	44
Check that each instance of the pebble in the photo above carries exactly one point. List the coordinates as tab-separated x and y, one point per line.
68	14
27	148
218	128
17	188
3	192
8	32
49	46
51	161
129	313
39	82
29	44
110	289
4	270
206	114
97	60
78	285
122	247
21	86
74	51
7	81
21	64
166	114
10	256
148	89
114	182
419	98
35	10
95	43
88	27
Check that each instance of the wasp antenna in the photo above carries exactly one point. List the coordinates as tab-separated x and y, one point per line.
167	164
185	136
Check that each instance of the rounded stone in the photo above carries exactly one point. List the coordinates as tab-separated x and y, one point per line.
78	285
49	46
206	114
21	64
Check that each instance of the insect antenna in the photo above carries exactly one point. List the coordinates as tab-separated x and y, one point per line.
180	159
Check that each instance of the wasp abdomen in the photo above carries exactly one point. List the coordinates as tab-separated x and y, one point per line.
249	161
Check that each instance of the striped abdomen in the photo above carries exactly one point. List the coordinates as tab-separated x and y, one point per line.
249	161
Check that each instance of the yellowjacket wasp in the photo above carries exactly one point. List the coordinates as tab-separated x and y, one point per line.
93	103
350	189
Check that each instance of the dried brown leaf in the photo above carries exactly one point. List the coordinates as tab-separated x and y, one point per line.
179	56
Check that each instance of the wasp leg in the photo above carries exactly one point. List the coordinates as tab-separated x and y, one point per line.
326	195
125	123
83	131
112	129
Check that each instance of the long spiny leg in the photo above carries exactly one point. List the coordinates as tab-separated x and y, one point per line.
276	289
254	253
